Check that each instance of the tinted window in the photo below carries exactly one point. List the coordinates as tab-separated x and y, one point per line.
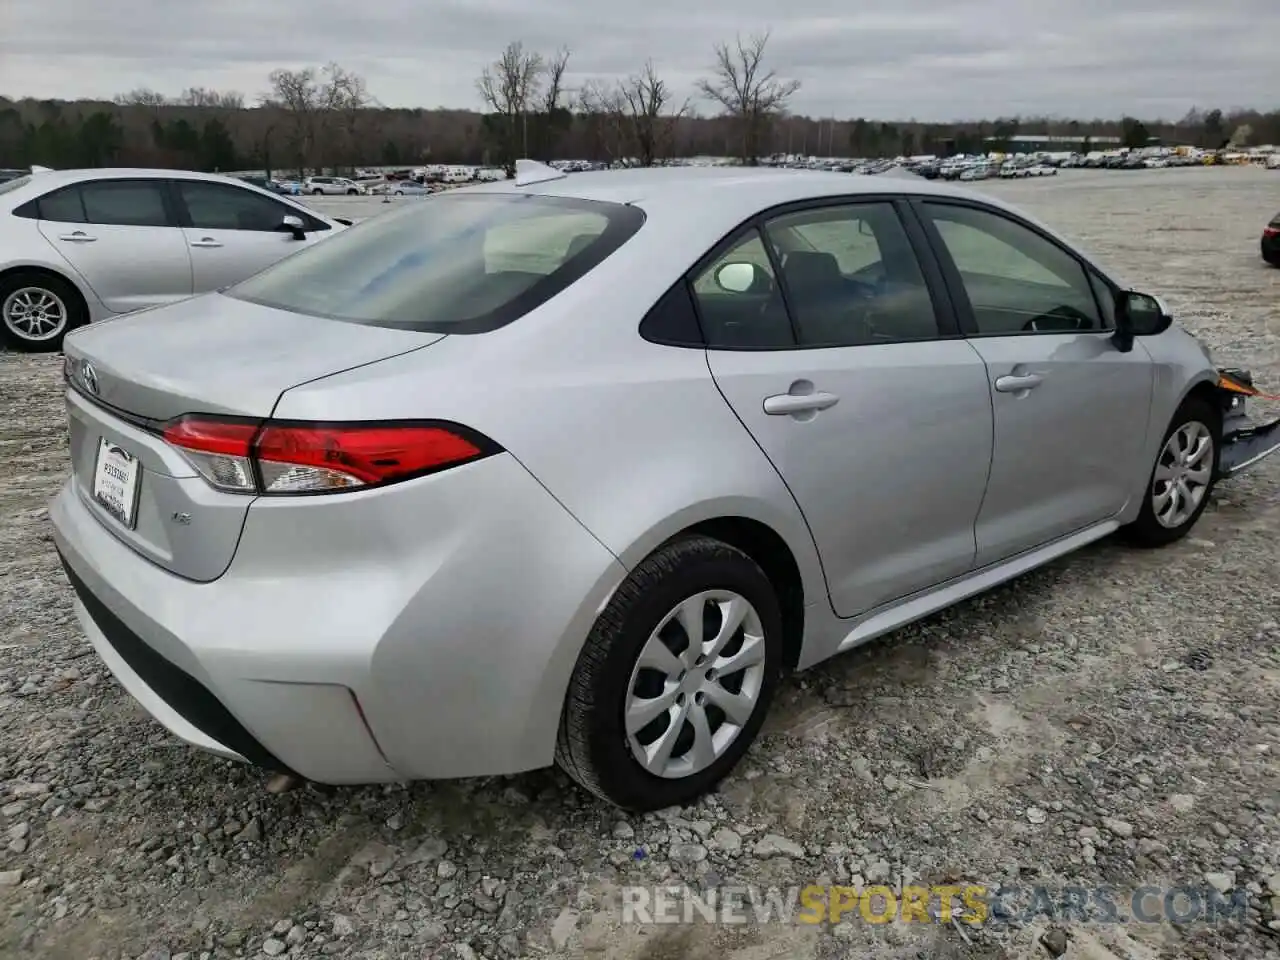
62	206
125	203
1016	280
673	319
453	264
742	315
216	206
852	277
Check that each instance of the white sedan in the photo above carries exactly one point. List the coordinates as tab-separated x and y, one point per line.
84	245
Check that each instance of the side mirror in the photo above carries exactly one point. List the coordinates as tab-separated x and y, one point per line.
1138	315
295	226
736	277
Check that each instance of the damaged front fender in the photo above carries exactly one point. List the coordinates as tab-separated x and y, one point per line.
1244	443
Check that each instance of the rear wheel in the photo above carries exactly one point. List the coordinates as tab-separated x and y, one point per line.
675	679
317	192
37	310
1182	477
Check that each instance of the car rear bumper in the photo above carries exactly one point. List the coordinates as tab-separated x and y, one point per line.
419	631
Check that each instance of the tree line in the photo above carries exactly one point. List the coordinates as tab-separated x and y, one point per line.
325	118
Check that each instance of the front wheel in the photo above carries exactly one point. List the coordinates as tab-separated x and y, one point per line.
352	193
1182	478
675	678
317	192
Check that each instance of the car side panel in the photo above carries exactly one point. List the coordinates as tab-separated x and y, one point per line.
1180	365
23	245
637	451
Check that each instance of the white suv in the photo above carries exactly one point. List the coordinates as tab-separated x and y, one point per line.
332	186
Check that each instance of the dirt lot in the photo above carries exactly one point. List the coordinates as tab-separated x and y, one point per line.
1111	720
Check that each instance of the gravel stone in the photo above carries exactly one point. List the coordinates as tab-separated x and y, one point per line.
912	760
773	845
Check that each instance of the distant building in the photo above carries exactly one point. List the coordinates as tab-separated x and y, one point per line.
1044	143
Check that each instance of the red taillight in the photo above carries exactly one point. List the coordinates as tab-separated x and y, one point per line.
1271	232
285	457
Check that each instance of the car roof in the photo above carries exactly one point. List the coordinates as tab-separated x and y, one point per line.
47	178
734	192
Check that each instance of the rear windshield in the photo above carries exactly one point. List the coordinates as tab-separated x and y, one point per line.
452	264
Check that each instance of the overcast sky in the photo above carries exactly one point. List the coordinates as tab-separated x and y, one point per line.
885	59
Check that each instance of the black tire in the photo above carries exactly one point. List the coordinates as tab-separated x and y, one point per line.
352	193
1147	531
64	290
592	746
317	193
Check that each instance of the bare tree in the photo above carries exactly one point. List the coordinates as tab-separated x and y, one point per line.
645	98
747	92
297	95
602	109
553	76
142	97
508	87
631	118
218	99
344	98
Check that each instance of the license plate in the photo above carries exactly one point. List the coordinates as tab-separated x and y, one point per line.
115	481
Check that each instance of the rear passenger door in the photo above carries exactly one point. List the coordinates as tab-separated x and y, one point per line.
122	236
1070	409
842	358
233	233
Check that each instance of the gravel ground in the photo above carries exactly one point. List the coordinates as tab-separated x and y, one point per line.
1112	719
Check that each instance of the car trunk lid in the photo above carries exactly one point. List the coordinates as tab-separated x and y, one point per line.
130	375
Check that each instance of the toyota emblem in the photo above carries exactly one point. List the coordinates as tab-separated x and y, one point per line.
89	376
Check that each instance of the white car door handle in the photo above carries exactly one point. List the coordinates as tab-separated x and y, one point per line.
1018	384
205	242
78	236
785	404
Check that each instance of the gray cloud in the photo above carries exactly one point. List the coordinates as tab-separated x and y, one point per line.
922	59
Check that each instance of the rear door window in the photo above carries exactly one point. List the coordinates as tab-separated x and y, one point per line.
451	264
125	203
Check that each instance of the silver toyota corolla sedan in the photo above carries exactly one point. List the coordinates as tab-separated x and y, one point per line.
83	245
576	469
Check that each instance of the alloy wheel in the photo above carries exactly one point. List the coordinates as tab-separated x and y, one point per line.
34	314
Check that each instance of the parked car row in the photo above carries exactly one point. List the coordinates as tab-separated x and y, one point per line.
82	245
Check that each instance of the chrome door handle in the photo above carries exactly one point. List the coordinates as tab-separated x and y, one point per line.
78	236
785	404
1018	384
206	242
